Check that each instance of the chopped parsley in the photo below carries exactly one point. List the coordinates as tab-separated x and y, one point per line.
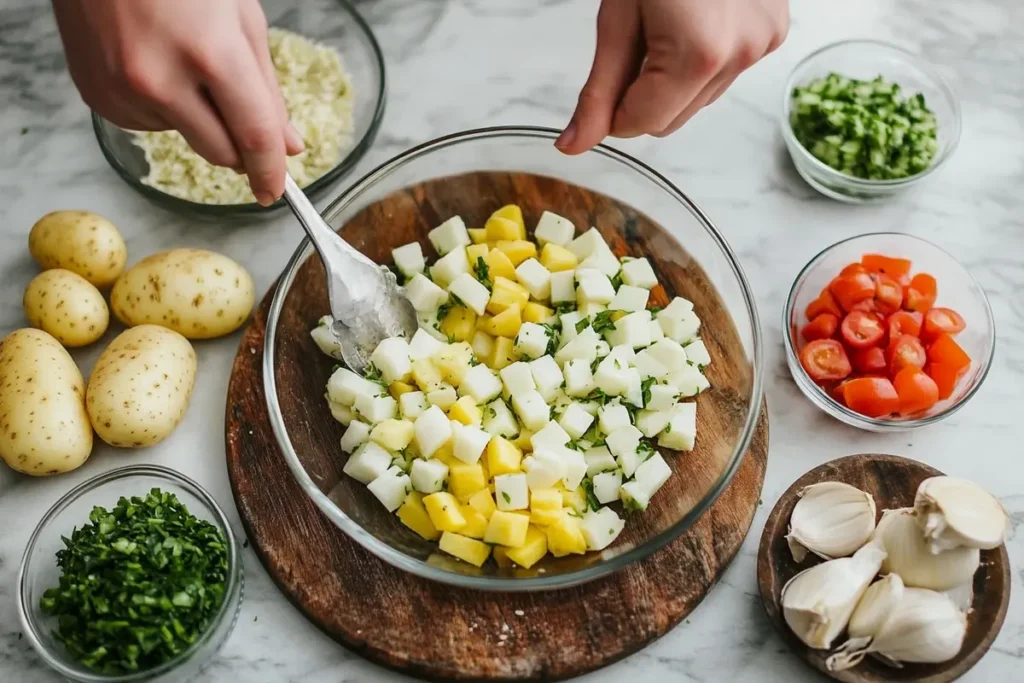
582	325
644	449
603	321
617	280
598	395
374	375
508	498
483	272
588	491
565	307
630	505
552	331
655	310
645	389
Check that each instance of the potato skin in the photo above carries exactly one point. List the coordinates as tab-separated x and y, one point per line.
67	306
140	387
79	241
197	293
44	428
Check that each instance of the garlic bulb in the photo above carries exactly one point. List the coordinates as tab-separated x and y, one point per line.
925	627
962	596
817	602
831	520
909	556
876	605
957	513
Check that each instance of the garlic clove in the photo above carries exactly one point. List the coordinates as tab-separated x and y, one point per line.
956	513
875	606
909	555
962	596
831	519
817	602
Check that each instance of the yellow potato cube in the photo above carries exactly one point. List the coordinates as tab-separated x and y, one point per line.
513	213
393	435
446	454
414	515
506	294
464	479
534	312
507	529
565	536
396	389
444	512
503	457
482	343
533	548
499	228
474	252
459	324
453	362
501	557
545	506
426	375
555	258
465	548
522	442
517	250
575	500
504	324
476	523
477	235
466	411
504	353
483	502
499	265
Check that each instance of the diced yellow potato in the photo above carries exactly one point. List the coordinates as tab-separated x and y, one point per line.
414	515
499	228
393	435
506	294
453	362
476	251
476	523
504	324
575	500
499	265
507	529
565	536
482	343
534	312
513	213
459	324
545	506
504	353
555	258
466	411
501	557
426	375
483	502
503	457
446	454
522	442
517	250
464	480
533	548
465	548
443	509
396	389
477	235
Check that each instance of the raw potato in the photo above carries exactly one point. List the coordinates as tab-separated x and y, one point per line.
197	293
81	242
140	387
67	306
44	428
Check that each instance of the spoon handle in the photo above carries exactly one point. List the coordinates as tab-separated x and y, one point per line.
327	242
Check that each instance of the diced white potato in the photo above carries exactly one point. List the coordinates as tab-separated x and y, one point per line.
391	488
638	273
324	338
585	245
579	380
517	378
449	236
532	410
590	406
511	492
550	436
593	287
623	440
535	277
423	294
632	330
499	420
611	377
611	416
427	321
394	435
681	432
628	462
449	267
623	352
554	228
648	366
634	496
599	459
681	329
428	476
583	347
391	357
669	353
468	441
342	413
606	486
575	420
677	308
344	386
412	404
688	382
697	353
483	344
367	463
651	422
575	468
409	259
432	430
355	436
652	473
481	384
600	528
634	393
423	346
471	292
532	340
656	331
569	321
663	397
443	397
602	259
376	409
547	377
544	469
590	309
563	286
629	299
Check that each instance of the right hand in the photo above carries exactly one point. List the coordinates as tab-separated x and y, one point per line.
200	67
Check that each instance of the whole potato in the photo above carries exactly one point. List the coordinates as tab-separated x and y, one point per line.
197	293
44	428
140	387
81	242
66	306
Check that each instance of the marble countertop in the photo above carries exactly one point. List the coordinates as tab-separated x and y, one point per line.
729	159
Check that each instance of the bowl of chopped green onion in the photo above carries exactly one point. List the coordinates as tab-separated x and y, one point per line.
864	120
133	575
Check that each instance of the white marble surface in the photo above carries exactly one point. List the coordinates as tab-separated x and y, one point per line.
459	64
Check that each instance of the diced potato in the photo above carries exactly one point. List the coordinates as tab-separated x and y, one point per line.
443	397
483	502
534	547
513	213
524	441
469	442
477	235
476	523
393	435
449	236
565	536
507	529
396	389
499	265
444	511
545	506
534	312
501	557
601	527
575	499
535	278
499	420
428	476
504	353
638	273
504	324
517	250
557	258
503	457
424	294
481	384
482	343
432	430
511	492
464	480
446	269
454	362
459	324
499	228
426	375
554	228
467	549
466	411
505	294
474	252
414	515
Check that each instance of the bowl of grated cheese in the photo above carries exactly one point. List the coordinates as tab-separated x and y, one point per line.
331	72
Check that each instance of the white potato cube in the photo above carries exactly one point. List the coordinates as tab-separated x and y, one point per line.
634	496
344	386
428	476
547	377
612	416
575	420
624	352
429	324
688	382
651	422
391	357
656	331
444	397
669	353
601	527
412	404
583	347
677	308
423	346
579	380
623	440
648	366
483	344
682	329
533	411
468	442
532	340
554	228
634	393
449	236
632	330
652	473
481	384
355	436
449	267
681	432
575	468
342	413
432	430
593	287
606	486
611	377
569	321
563	286
535	277
511	492
698	354
423	294
629	299
599	459
499	420
638	273
323	337
544	468
551	436
601	258
590	310
367	463
517	378
585	245
409	259
391	488
471	292
376	409
663	397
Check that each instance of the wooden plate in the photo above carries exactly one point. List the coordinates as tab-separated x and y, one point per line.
893	481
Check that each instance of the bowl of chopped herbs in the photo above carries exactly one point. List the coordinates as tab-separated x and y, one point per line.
864	120
133	575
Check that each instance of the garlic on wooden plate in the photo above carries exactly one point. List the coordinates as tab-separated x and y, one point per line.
831	520
875	606
923	627
956	513
817	602
908	554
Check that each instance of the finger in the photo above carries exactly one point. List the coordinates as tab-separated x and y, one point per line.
657	97
711	91
128	112
194	116
617	59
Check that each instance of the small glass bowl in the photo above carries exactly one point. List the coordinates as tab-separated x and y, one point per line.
957	289
335	23
865	60
39	570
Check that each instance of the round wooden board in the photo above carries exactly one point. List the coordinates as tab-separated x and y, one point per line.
893	481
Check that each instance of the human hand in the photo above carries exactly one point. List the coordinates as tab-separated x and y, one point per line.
658	62
200	67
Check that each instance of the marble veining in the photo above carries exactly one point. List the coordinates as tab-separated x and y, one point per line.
456	64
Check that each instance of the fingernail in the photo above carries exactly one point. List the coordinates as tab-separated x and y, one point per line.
567	136
294	139
264	198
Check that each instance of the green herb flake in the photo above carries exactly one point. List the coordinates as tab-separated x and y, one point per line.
603	321
483	273
582	325
588	491
565	307
374	375
508	498
645	389
655	310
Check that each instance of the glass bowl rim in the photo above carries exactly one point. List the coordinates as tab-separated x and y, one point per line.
832	407
916	62
346	164
415	566
129	471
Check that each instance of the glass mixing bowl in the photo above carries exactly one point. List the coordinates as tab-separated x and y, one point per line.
689	248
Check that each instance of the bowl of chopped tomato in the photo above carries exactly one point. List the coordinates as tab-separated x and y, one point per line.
888	332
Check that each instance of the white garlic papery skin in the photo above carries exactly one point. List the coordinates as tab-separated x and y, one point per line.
817	602
875	606
831	519
909	556
956	513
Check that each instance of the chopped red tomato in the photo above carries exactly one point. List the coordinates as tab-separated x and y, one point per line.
853	269
904	322
871	396
824	360
866	305
896	268
825	303
906	352
939	321
850	289
870	361
946	351
861	330
920	293
888	294
917	391
822	327
946	376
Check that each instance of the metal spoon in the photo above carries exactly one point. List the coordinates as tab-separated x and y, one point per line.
367	303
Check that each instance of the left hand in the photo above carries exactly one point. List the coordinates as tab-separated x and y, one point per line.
658	62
